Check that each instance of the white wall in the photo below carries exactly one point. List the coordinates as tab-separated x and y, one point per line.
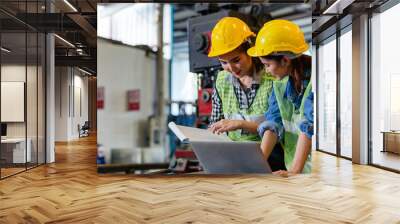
80	104
33	127
61	103
67	115
12	73
122	68
15	73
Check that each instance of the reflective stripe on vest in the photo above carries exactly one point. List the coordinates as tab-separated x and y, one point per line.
290	126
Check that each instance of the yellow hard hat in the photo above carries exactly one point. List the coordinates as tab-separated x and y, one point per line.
279	36
228	34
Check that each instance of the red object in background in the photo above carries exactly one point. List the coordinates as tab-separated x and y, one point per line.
185	153
204	102
100	97
134	100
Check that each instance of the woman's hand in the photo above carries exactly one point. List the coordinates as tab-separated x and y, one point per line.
225	125
284	173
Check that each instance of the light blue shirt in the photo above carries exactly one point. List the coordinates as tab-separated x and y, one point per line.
273	119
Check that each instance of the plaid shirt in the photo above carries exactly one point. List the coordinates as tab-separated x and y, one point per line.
244	96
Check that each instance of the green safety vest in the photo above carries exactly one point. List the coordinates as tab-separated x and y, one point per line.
290	119
230	103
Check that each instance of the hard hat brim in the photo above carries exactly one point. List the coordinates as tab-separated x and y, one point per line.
253	52
214	53
221	52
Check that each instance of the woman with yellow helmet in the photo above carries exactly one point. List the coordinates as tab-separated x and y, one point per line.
239	99
280	45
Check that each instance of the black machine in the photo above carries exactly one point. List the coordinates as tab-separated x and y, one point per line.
199	37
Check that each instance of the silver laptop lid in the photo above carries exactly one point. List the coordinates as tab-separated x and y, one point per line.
230	157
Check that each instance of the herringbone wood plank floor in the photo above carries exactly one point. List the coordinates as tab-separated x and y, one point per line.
70	191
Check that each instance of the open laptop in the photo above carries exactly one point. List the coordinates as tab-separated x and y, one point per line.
218	154
230	157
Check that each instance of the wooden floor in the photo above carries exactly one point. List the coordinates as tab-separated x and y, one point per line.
70	191
10	171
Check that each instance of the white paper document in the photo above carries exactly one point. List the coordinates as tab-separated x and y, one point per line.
186	134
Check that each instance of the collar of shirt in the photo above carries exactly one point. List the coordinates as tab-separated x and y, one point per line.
291	93
255	82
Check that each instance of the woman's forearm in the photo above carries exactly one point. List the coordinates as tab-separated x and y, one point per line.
303	148
268	143
249	126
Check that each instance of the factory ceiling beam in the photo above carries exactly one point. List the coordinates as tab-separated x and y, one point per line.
83	61
86	26
74	12
321	23
49	22
337	7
